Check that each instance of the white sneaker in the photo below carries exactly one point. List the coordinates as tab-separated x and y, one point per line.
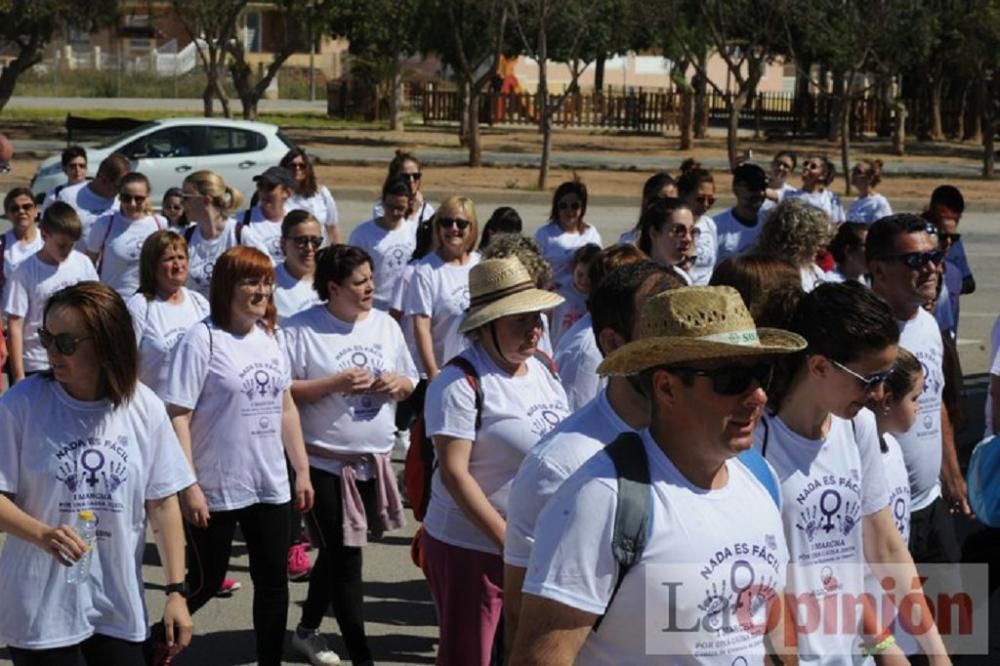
314	646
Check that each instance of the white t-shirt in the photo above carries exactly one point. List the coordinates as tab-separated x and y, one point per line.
811	276
119	241
321	205
390	250
28	291
319	345
921	444
899	485
516	413
825	200
15	253
202	255
159	325
699	549
263	234
405	320
236	386
568	312
734	237
869	209
827	486
707	247
424	212
292	295
577	357
558	246
61	456
441	292
994	371
560	453
88	205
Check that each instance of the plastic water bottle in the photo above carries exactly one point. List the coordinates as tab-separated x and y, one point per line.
86	527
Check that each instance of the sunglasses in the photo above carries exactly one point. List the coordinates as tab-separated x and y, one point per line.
732	379
812	166
705	200
450	222
413	176
570	205
869	383
302	242
681	231
14	208
132	198
916	260
64	342
295	166
951	238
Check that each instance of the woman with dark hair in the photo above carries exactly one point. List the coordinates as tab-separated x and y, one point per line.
660	185
172	207
848	250
823	445
696	188
668	235
504	220
163	309
208	204
115	240
566	230
260	225
309	195
870	205
817	174
228	396
389	239
350	367
759	278
301	238
407	166
87	419
782	165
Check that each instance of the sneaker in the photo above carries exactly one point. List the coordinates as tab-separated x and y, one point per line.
299	564
310	643
228	587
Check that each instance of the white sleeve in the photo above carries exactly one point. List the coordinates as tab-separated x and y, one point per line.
884	209
98	232
10	451
168	471
17	301
579	379
138	308
874	484
189	367
571	561
530	491
450	406
89	270
420	298
404	364
332	215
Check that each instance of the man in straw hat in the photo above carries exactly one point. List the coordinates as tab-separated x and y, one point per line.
716	552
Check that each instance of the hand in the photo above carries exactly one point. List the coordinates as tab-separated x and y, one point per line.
194	506
956	493
355	380
64	544
177	624
396	386
305	496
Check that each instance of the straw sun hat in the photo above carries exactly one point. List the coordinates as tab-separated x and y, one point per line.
501	287
696	324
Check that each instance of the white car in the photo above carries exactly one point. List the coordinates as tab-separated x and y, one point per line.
166	151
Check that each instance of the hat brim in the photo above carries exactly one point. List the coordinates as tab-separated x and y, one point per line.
639	355
531	300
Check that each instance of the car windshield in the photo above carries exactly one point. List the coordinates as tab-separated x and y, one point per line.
124	138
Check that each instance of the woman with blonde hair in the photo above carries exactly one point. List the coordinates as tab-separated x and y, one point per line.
796	231
209	204
870	205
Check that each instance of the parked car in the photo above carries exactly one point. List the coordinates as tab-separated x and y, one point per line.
166	151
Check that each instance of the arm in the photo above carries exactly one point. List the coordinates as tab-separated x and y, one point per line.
398	387
168	530
61	541
453	463
955	491
425	346
513	581
888	556
291	435
550	633
333	235
194	506
15	326
308	391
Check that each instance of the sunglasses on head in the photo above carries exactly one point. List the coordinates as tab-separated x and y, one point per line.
570	205
868	383
132	198
916	260
456	222
732	379
64	342
302	242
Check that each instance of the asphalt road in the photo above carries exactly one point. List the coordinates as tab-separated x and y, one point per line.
400	615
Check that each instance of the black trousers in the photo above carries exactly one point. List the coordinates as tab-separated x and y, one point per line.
265	530
336	574
98	650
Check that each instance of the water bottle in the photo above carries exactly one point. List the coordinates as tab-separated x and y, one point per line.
86	527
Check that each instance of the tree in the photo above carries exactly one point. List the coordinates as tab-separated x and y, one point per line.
28	26
211	26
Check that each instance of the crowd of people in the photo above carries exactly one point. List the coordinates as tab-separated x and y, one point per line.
681	429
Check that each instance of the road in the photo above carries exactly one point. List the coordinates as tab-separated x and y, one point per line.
400	615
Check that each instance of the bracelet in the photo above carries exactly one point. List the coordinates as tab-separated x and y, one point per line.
879	647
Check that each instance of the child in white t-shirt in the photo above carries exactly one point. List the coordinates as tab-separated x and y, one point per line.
575	294
54	266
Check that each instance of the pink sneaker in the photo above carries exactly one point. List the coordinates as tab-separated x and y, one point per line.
299	564
228	587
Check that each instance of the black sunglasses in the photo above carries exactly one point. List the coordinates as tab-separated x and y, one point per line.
953	238
414	176
132	198
64	342
916	260
302	242
869	383
449	222
732	379
565	205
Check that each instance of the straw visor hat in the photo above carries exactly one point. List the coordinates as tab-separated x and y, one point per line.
501	287
696	324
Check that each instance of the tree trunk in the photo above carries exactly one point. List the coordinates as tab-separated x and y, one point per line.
963	106
545	119
884	94
599	72
990	102
207	98
701	103
472	121
845	146
396	100
802	104
463	116
936	91
25	60
734	106
899	128
837	107
975	128
686	120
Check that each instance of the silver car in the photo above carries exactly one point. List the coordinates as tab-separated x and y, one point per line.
166	151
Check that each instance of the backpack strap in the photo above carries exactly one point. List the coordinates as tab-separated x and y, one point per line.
104	242
3	260
472	377
548	362
755	462
633	507
211	341
189	232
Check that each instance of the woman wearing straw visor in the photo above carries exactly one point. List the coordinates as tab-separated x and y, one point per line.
479	445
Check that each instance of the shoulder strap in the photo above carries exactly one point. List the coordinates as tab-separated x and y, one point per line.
239	228
633	507
758	466
189	232
548	362
211	342
104	242
3	253
471	376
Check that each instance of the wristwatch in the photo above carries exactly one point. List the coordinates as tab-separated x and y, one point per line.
170	588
